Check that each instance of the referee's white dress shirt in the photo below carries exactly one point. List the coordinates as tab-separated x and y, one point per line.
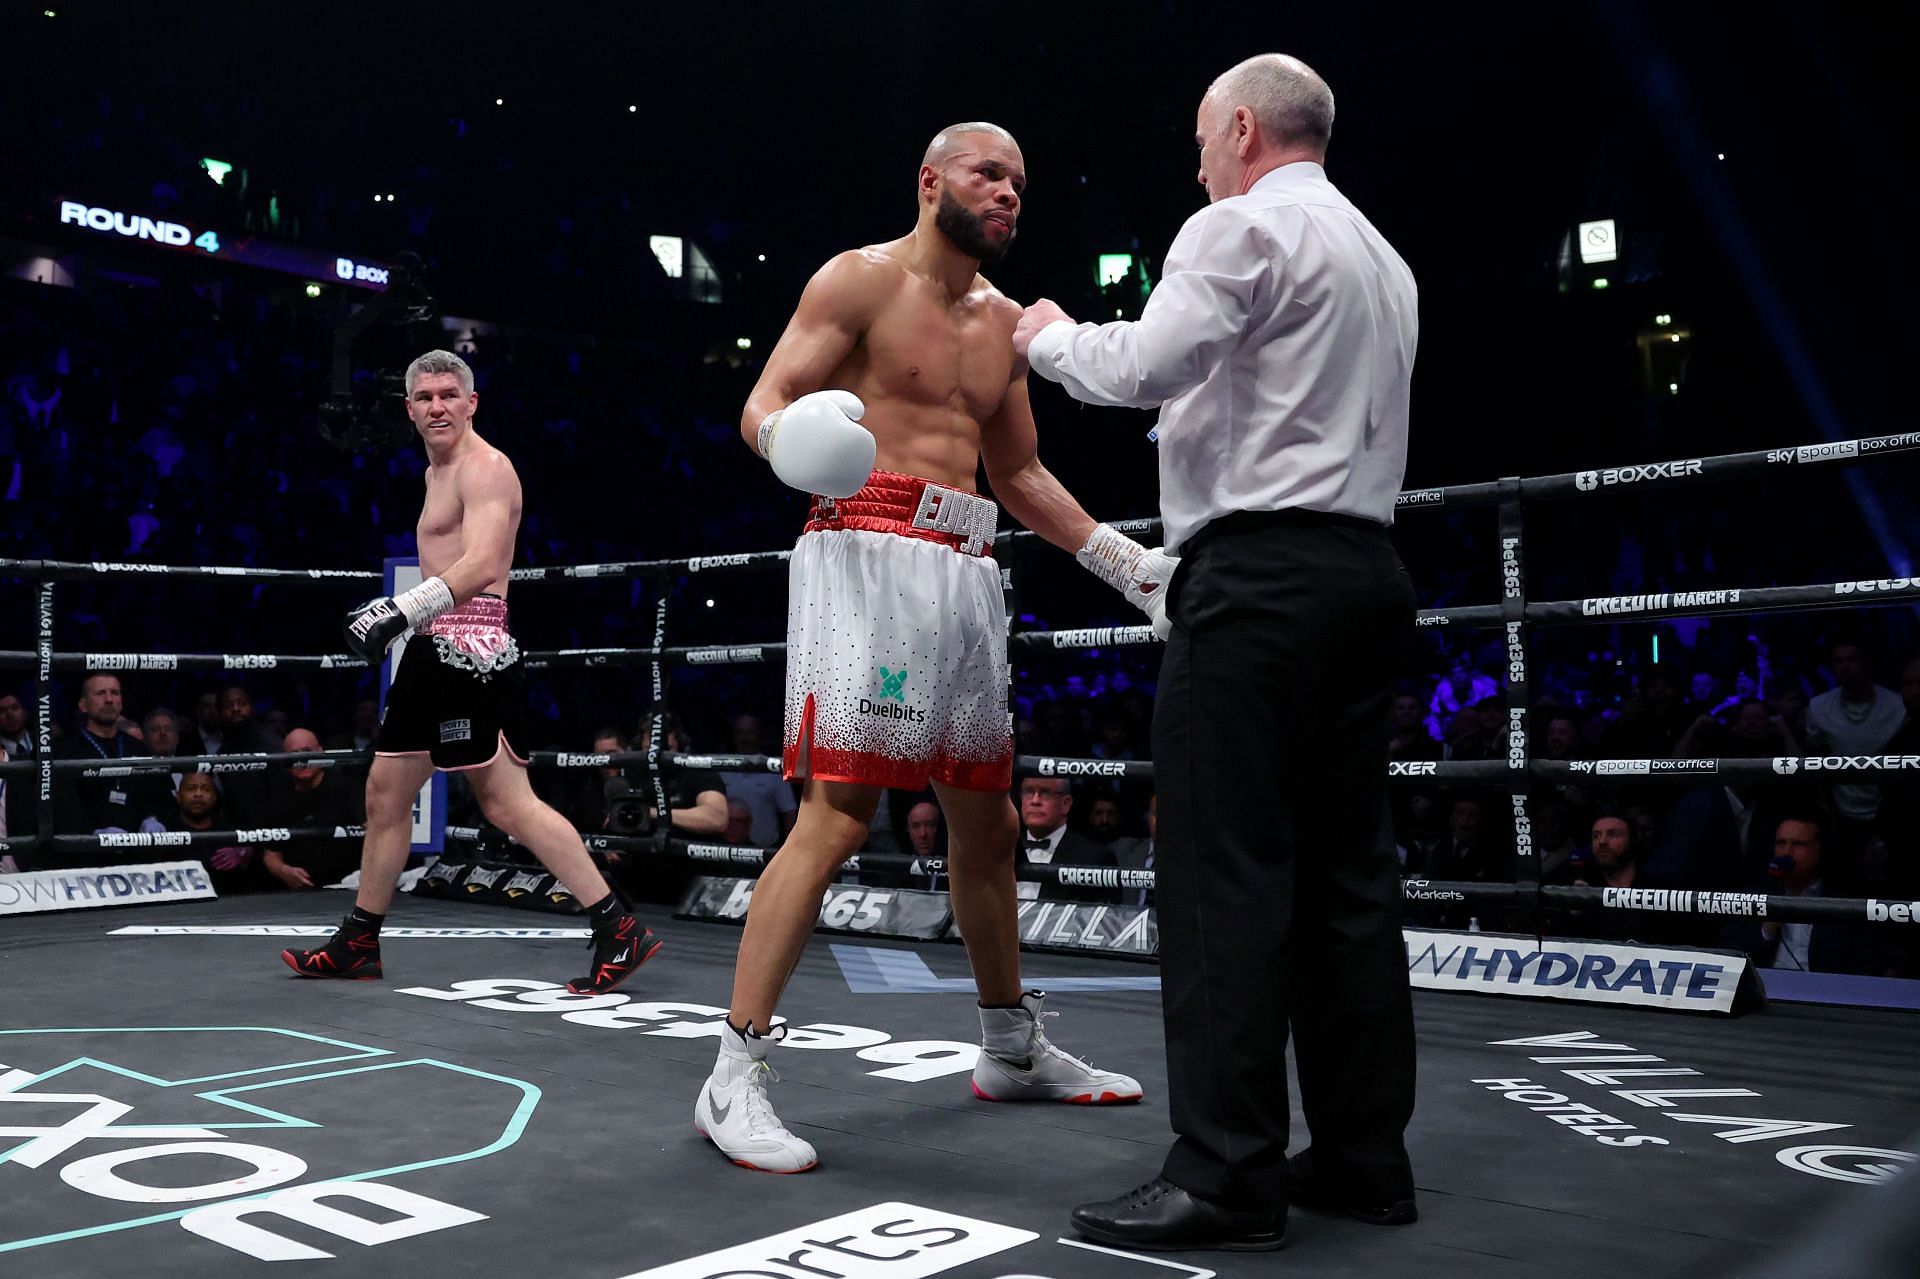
1280	343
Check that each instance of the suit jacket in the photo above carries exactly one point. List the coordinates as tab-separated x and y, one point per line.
1699	844
1131	854
1076	849
1831	948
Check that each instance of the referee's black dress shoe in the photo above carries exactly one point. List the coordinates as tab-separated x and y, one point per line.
1161	1217
1310	1188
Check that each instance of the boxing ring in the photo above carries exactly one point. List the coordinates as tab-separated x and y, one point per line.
170	1095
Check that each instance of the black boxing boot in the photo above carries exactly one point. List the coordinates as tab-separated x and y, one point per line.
353	952
620	945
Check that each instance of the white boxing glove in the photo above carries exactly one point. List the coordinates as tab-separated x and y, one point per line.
1140	574
817	445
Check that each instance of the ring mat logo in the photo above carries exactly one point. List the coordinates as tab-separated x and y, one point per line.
232	1131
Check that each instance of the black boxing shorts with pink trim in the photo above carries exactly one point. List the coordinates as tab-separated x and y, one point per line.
458	695
897	641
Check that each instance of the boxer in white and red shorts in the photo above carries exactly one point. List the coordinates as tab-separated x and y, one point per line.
897	641
901	355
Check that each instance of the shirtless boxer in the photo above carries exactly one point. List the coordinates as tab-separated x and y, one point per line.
896	628
456	701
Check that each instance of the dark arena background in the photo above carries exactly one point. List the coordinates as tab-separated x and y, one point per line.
1655	744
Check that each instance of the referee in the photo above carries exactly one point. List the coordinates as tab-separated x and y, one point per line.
1279	350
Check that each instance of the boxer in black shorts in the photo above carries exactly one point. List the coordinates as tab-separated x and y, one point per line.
458	697
456	701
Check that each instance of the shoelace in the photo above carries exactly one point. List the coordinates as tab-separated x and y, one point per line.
760	1116
1039	1040
1037	1036
1142	1195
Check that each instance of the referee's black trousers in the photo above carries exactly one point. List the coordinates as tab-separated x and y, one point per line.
1278	887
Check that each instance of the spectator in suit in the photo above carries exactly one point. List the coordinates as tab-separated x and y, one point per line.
105	803
1796	871
1045	803
207	732
1137	854
1470	851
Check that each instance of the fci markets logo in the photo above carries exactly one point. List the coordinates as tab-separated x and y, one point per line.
232	1130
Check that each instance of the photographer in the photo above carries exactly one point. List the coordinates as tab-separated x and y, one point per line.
697	810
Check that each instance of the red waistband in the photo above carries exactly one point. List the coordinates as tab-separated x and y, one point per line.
481	610
909	506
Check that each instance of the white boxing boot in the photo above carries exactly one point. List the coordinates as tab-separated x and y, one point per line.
1019	1063
733	1111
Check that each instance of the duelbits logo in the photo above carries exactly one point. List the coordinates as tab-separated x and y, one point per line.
111	1132
892	697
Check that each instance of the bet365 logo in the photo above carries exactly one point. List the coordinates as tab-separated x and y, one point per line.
893	684
226	1129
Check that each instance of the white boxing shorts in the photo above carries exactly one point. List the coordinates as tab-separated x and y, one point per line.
897	641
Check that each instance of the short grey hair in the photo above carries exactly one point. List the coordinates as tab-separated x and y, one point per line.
1287	98
440	362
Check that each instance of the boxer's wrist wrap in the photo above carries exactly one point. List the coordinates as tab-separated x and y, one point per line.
764	442
1113	557
423	603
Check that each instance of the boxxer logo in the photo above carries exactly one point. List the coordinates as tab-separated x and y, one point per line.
236	1134
1588	481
